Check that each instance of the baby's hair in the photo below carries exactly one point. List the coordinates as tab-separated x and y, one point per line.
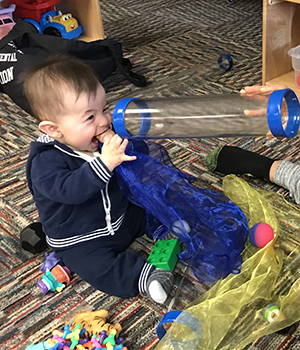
46	83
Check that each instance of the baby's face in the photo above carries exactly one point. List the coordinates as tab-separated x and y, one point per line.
84	120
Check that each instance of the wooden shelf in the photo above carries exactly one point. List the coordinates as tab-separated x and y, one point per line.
294	1
287	79
281	32
88	14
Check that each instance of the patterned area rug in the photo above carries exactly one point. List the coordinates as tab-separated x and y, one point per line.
175	44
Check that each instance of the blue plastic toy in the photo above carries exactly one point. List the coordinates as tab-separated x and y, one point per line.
55	23
40	346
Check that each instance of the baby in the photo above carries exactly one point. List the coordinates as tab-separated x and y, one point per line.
86	218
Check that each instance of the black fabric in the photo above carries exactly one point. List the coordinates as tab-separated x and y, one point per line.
23	48
235	160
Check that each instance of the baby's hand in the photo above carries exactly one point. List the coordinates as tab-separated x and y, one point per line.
107	135
113	152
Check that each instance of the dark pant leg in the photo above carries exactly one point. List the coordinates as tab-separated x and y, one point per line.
105	263
111	272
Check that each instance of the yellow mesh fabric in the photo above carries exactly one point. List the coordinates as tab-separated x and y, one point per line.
231	312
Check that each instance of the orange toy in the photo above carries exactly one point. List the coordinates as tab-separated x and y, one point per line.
95	321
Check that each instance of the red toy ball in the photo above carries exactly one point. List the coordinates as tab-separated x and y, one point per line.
261	234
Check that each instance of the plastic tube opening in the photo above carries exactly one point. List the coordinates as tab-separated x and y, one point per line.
290	127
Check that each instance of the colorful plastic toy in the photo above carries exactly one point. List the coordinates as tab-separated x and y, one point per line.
33	8
51	261
95	341
44	345
110	338
164	254
72	338
55	279
95	323
49	283
102	337
55	276
6	20
272	313
261	234
57	24
66	331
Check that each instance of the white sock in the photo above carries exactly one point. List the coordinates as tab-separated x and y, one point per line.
159	285
157	293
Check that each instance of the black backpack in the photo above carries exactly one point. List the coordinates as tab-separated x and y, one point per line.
23	48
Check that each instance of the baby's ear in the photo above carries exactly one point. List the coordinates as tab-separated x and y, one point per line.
50	128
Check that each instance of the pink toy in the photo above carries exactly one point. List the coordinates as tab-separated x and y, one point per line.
96	342
261	234
58	338
6	21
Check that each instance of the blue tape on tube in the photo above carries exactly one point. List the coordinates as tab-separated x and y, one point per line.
119	118
181	317
274	113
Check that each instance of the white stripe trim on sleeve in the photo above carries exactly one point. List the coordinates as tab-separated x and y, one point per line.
100	169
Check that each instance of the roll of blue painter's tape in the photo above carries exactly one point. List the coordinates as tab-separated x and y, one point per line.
221	61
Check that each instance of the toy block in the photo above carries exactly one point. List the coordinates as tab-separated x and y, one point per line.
33	238
164	254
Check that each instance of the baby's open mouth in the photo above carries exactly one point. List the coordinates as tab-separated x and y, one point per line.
95	140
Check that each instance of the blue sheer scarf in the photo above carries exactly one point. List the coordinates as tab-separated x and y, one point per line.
213	229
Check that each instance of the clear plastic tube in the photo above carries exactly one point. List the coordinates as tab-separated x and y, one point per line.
208	116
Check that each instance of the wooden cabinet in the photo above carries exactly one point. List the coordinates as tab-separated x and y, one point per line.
88	14
281	31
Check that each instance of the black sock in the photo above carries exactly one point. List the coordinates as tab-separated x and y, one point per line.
235	160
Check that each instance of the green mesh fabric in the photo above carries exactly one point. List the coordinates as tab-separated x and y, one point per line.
212	159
